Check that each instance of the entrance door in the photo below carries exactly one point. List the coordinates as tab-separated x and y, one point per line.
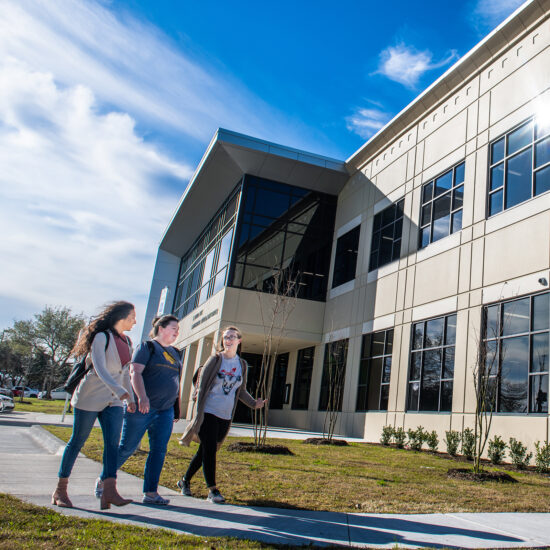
243	414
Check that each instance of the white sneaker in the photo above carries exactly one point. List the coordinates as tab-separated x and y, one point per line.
215	496
98	489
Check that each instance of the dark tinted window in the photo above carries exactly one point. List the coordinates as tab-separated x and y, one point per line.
345	260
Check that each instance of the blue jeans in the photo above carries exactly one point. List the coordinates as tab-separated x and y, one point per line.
110	420
158	425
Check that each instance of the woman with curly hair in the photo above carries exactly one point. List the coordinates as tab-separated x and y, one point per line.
100	395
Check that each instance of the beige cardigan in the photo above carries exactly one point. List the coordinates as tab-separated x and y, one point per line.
107	381
206	381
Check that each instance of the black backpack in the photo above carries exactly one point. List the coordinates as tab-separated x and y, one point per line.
79	371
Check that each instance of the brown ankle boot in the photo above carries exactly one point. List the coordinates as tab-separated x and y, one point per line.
110	495
60	496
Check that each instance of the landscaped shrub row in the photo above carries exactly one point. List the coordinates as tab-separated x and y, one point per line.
496	449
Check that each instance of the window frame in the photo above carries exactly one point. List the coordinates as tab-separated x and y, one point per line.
422	351
399	216
506	158
365	363
452	211
347	272
300	368
341	348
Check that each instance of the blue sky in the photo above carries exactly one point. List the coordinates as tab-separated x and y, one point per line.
107	107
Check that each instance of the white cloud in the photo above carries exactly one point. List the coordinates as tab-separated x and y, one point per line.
405	65
367	121
84	189
488	14
81	212
130	64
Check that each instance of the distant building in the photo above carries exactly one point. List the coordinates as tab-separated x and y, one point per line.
434	235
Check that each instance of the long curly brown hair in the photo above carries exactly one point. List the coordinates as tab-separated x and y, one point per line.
106	320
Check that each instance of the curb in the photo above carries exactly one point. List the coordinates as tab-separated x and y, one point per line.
50	442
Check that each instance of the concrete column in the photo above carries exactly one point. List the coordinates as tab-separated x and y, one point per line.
187	375
202	353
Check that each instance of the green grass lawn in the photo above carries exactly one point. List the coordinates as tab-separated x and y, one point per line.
356	478
47	406
24	526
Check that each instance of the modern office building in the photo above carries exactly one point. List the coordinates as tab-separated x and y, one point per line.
431	238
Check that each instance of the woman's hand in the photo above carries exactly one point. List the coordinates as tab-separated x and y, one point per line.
143	405
125	397
260	403
131	407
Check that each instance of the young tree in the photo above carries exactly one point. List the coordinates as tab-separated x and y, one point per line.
283	287
52	333
335	368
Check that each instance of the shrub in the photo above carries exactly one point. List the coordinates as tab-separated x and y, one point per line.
416	438
399	437
432	440
452	439
496	450
542	457
518	454
387	435
468	443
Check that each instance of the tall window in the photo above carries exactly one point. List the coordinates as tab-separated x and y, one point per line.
432	364
517	331
302	380
334	376
519	165
279	381
345	260
374	372
441	212
386	237
282	227
203	269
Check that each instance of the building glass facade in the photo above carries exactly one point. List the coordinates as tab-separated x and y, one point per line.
287	228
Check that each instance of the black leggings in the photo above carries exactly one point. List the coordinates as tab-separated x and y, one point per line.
212	431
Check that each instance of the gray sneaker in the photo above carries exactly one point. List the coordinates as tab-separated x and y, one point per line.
98	489
185	487
156	499
215	496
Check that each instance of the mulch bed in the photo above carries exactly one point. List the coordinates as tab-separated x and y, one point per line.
245	447
323	441
469	475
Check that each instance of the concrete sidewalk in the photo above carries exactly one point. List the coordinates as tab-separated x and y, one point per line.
25	448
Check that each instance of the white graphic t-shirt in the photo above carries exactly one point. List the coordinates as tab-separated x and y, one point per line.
221	397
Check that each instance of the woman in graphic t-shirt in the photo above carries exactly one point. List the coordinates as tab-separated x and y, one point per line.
155	373
221	384
99	396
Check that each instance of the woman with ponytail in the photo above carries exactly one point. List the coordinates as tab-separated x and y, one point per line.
155	373
100	395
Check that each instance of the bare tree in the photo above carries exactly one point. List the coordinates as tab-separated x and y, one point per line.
283	287
334	371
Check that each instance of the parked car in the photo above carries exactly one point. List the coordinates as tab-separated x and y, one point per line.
27	392
57	393
6	391
6	403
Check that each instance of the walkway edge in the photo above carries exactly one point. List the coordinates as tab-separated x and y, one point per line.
48	441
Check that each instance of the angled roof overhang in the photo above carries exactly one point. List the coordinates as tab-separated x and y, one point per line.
228	157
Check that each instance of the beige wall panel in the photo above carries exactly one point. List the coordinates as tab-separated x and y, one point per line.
352	374
386	291
442	165
349	207
339	311
437	277
373	424
434	421
465	267
401	288
513	252
526	429
469	190
411	155
483	112
462	368
400	369
476	277
521	86
393	176
471	129
444	141
419	160
409	289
